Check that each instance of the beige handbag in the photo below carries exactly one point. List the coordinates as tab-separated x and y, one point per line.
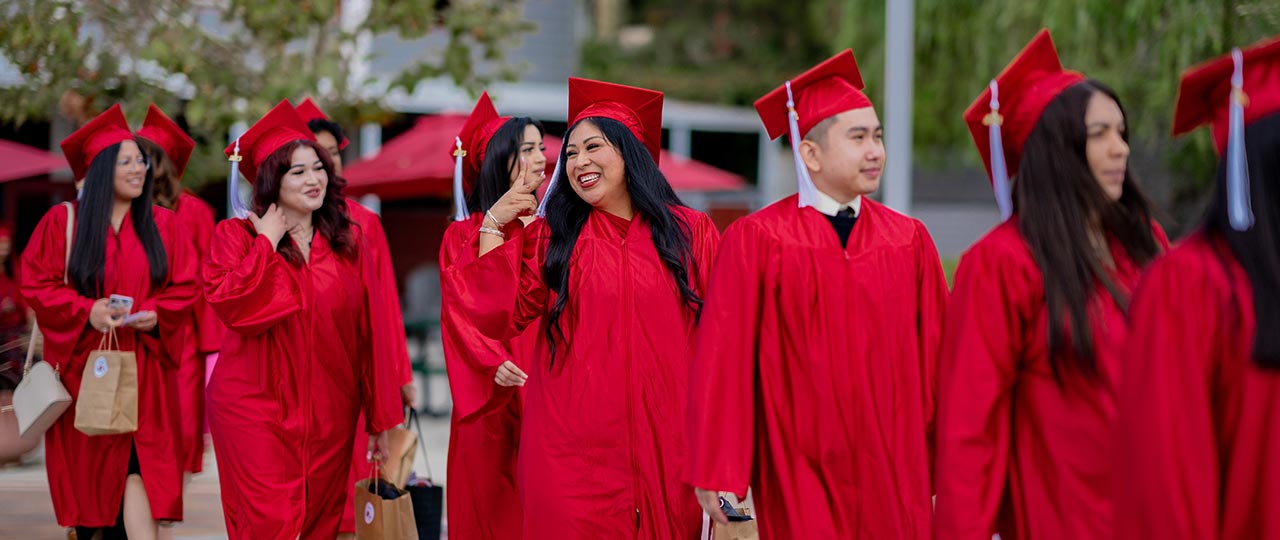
40	398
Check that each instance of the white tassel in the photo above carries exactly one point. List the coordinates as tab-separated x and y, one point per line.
238	209
999	169
808	193
546	196
1239	206
460	212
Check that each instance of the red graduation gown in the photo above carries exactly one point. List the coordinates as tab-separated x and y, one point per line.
1017	453
1199	420
396	361
600	443
87	474
813	378
202	336
293	375
484	430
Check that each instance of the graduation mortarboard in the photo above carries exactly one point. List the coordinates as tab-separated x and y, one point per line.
639	109
104	131
825	90
159	129
309	111
1003	115
1229	93
280	126
469	149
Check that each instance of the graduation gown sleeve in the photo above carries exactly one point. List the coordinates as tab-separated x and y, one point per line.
174	302
471	358
981	347
245	282
381	380
503	292
397	356
1171	485
932	295
199	221
722	374
64	312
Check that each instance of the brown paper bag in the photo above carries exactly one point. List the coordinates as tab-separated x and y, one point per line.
402	444
383	519
735	530
108	400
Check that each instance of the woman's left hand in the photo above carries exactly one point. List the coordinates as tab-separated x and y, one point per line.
378	447
145	322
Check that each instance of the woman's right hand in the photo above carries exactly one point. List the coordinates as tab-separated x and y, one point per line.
509	375
102	318
517	201
271	225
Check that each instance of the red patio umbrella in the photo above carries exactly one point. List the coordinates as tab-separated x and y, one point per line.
417	164
22	161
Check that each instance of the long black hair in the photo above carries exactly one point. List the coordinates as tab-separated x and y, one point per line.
331	220
93	219
653	200
1257	249
1059	203
495	173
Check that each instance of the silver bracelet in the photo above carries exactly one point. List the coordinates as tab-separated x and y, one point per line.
495	232
496	223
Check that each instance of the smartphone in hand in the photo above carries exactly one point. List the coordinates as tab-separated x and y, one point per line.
119	305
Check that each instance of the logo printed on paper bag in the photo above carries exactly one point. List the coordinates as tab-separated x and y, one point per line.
368	513
100	367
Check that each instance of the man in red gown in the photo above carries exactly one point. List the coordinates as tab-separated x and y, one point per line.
813	377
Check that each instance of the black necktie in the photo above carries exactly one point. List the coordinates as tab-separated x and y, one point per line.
847	213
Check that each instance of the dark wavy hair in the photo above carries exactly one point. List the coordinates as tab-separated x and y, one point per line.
316	125
93	219
1257	249
1058	200
168	185
495	173
653	200
331	220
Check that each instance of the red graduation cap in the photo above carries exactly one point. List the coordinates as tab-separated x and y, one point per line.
1228	93
825	90
309	111
639	109
1204	95
1010	106
105	130
1024	89
469	148
160	129
280	126
475	135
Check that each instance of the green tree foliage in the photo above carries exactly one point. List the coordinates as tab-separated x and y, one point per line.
732	51
219	62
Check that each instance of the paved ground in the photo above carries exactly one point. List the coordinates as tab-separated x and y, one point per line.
26	511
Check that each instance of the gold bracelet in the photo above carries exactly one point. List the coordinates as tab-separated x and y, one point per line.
495	232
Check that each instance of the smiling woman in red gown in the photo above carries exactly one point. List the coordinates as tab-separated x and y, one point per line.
121	245
297	290
615	275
